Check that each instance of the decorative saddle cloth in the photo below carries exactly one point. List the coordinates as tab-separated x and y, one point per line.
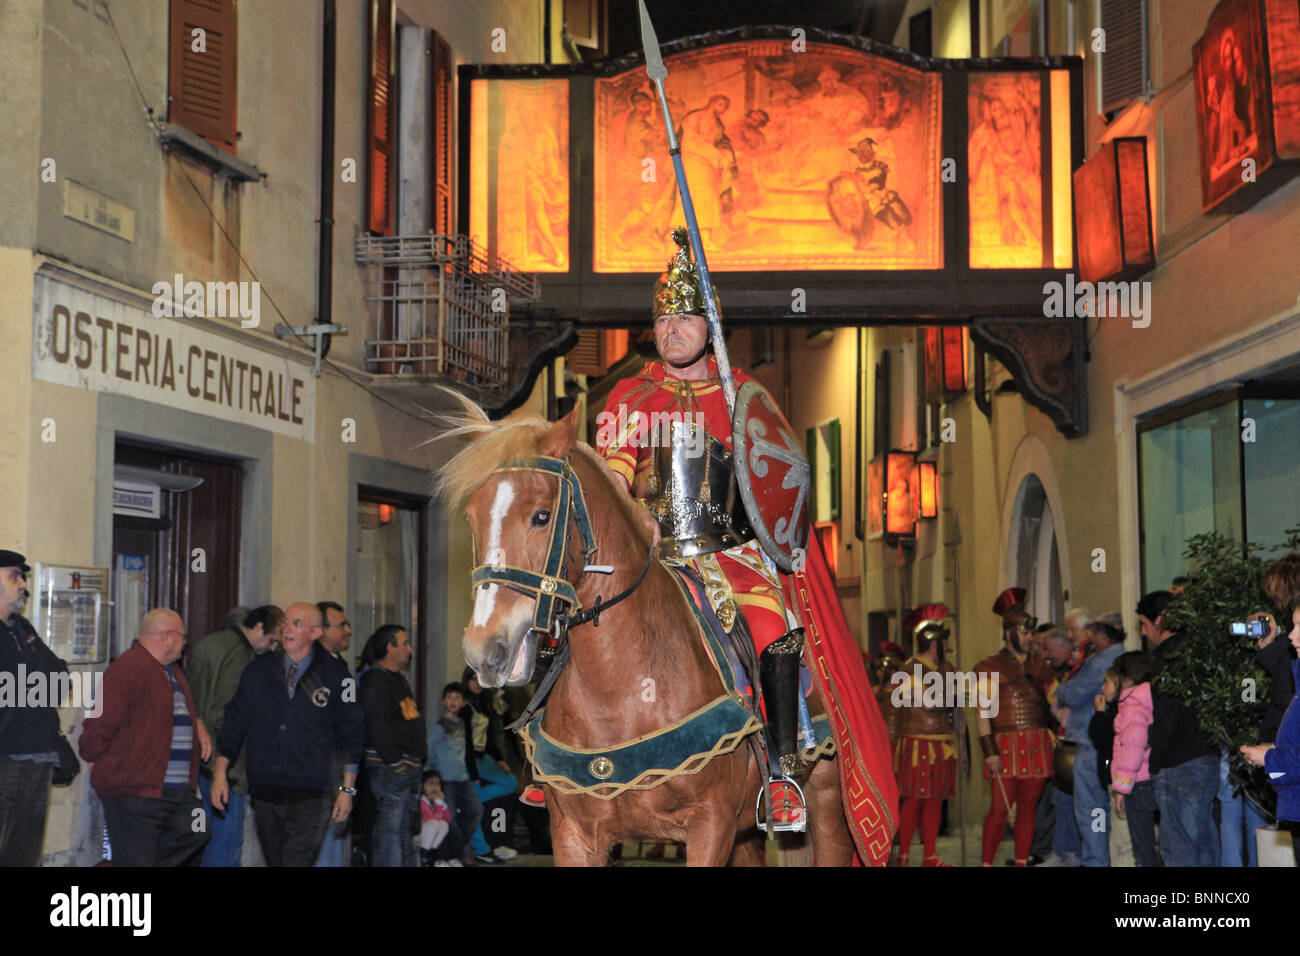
684	747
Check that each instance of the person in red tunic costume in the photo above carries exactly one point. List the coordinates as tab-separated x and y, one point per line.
925	748
667	433
1017	741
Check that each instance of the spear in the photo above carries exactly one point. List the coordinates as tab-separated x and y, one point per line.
655	69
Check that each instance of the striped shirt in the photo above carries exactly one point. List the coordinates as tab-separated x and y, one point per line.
178	763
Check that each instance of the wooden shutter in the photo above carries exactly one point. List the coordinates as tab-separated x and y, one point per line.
588	356
381	118
202	84
440	169
833	452
1124	64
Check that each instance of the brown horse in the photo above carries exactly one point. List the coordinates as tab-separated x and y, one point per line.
640	669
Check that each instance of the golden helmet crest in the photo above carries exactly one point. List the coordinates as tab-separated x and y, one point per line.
677	292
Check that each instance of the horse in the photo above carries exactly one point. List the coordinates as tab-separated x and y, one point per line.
637	669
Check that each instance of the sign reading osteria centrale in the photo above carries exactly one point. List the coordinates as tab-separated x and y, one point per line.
93	342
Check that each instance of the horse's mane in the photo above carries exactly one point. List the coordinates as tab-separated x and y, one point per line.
494	444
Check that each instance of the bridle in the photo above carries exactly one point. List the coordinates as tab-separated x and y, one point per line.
556	606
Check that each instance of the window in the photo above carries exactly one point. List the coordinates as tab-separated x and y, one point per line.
1123	67
201	69
823	443
1033	552
390	568
1227	464
381	118
441	218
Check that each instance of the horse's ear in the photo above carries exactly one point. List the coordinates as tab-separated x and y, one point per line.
561	436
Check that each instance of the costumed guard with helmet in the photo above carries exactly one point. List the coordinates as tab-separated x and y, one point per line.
925	748
688	482
1017	741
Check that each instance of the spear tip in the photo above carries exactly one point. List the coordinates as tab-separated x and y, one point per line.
654	63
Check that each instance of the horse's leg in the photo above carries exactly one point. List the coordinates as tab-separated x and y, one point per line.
832	841
577	842
750	849
710	836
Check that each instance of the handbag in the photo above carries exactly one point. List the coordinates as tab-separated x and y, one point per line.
69	764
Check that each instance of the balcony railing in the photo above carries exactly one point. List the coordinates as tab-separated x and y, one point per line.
440	305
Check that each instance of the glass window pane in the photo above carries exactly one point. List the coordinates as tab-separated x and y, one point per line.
1191	484
1272	471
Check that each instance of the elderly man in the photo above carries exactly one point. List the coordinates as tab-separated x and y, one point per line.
214	670
146	747
28	735
296	709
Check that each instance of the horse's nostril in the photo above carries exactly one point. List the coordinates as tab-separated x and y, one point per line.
497	658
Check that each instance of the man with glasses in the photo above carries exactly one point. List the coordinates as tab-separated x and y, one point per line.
1016	740
28	735
336	636
145	747
297	712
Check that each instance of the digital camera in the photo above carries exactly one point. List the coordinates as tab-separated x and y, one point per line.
1256	628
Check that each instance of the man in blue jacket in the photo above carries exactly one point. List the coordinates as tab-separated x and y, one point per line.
297	711
1091	802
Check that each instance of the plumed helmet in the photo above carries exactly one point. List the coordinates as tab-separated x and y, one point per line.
677	292
927	621
1011	603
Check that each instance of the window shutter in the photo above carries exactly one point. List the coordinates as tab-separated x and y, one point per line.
440	216
814	486
588	356
833	452
381	118
1124	64
202	83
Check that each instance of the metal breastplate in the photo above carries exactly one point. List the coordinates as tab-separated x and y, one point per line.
925	721
1020	706
694	495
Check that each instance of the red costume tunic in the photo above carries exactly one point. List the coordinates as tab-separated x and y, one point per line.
925	751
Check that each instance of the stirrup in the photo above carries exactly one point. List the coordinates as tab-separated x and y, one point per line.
797	825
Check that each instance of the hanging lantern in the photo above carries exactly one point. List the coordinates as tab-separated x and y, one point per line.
945	362
900	518
1112	212
927	493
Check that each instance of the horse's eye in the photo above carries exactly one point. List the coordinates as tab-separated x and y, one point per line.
541	519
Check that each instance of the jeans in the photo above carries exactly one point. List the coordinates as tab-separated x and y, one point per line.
336	850
1140	808
397	802
290	824
1067	830
1044	823
466	814
495	783
1236	813
1185	797
154	831
225	827
24	800
1089	797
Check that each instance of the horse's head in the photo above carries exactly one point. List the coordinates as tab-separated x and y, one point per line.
529	546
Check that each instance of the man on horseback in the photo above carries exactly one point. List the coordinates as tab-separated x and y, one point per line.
669	438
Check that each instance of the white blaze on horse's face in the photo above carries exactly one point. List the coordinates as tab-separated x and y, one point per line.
485	599
499	643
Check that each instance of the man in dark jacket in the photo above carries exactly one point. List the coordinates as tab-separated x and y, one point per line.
146	747
296	710
214	670
28	735
1184	765
395	746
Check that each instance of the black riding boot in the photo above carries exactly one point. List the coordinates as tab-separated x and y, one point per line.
778	669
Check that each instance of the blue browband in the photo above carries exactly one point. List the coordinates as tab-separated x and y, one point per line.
551	586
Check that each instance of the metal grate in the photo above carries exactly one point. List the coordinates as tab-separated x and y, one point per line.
440	305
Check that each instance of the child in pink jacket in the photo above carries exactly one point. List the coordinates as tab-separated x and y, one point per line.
1129	767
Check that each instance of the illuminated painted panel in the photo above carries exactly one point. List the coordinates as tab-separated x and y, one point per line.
1097	221
519	171
1062	214
1283	28
1006	170
900	514
876	498
775	148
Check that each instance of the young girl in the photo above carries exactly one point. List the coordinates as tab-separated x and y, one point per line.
435	818
1129	770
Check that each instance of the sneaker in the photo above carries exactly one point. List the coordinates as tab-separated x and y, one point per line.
505	853
446	863
1070	859
453	863
485	858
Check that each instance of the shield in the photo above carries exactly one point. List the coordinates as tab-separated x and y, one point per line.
773	475
847	202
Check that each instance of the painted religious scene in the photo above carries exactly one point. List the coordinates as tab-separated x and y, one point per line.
821	160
